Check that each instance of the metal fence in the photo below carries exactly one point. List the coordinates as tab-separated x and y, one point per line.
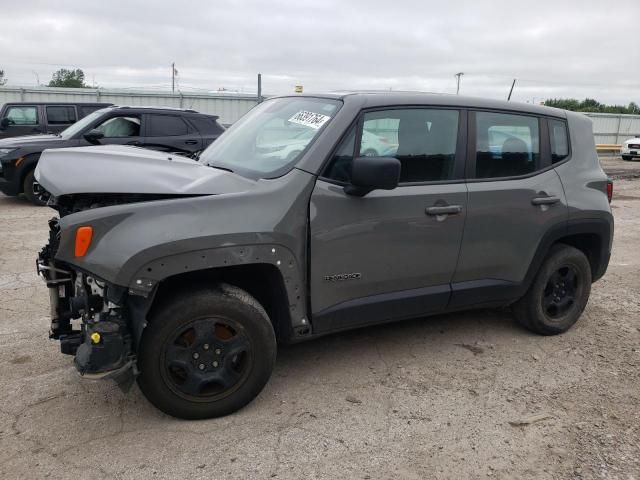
608	128
614	128
228	106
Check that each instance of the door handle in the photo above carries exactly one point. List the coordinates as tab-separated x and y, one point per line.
550	200
134	142
444	210
190	142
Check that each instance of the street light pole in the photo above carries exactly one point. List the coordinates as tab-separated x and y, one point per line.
458	75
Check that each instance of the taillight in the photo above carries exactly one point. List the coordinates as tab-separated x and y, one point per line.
84	236
609	190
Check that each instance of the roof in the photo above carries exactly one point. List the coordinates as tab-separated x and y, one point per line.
151	107
389	98
106	104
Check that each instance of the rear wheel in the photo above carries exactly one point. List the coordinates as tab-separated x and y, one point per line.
558	294
207	353
33	191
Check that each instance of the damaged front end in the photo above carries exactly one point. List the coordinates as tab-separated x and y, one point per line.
101	341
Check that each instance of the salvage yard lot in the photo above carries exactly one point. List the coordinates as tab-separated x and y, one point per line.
467	395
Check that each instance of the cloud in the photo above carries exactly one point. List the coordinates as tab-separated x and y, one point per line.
553	48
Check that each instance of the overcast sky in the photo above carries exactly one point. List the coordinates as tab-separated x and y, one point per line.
557	48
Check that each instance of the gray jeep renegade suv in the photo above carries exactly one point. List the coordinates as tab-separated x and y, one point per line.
311	215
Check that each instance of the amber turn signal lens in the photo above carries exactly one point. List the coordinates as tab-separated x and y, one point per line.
83	240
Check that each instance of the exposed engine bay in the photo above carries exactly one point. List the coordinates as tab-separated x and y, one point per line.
68	204
102	345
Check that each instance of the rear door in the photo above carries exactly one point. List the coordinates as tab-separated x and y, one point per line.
59	117
390	254
21	120
515	198
170	133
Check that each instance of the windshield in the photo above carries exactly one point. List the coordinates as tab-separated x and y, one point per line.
271	137
82	123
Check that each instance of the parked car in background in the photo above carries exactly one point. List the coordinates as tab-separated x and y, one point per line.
21	118
157	128
188	274
630	149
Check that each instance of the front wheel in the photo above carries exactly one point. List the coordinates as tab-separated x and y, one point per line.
33	191
558	294
206	354
626	157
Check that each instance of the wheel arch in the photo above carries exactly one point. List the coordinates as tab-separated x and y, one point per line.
592	236
263	281
29	163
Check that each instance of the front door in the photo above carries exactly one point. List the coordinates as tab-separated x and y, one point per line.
390	254
123	129
21	120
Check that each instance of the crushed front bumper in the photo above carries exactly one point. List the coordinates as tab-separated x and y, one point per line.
101	341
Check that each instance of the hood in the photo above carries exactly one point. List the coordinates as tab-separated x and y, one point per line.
120	169
27	140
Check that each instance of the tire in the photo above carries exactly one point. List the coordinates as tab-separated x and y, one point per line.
206	353
626	157
30	187
559	292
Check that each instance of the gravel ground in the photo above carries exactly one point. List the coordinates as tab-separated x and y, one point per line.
469	395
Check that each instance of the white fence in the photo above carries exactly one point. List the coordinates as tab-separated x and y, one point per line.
614	128
228	106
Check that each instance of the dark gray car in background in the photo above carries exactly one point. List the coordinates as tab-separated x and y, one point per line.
29	118
187	274
181	131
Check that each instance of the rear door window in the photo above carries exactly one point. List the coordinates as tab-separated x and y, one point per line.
87	109
22	115
61	115
166	126
507	145
205	125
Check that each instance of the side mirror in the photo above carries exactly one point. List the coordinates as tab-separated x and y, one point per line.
373	173
4	123
93	136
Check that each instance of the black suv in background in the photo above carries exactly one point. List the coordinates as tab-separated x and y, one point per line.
21	118
158	128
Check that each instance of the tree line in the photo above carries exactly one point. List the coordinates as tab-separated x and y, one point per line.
591	105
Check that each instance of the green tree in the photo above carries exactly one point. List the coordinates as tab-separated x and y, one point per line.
3	80
68	78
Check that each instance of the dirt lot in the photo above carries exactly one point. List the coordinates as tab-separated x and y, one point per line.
445	397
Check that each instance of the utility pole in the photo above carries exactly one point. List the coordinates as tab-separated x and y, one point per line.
458	75
173	77
259	88
511	91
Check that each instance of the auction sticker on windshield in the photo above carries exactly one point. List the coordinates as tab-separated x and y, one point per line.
309	119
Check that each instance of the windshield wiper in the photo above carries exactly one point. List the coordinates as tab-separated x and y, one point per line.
226	169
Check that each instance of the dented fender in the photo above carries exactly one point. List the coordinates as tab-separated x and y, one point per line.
139	245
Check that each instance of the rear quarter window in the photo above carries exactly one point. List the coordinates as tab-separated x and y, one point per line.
559	140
